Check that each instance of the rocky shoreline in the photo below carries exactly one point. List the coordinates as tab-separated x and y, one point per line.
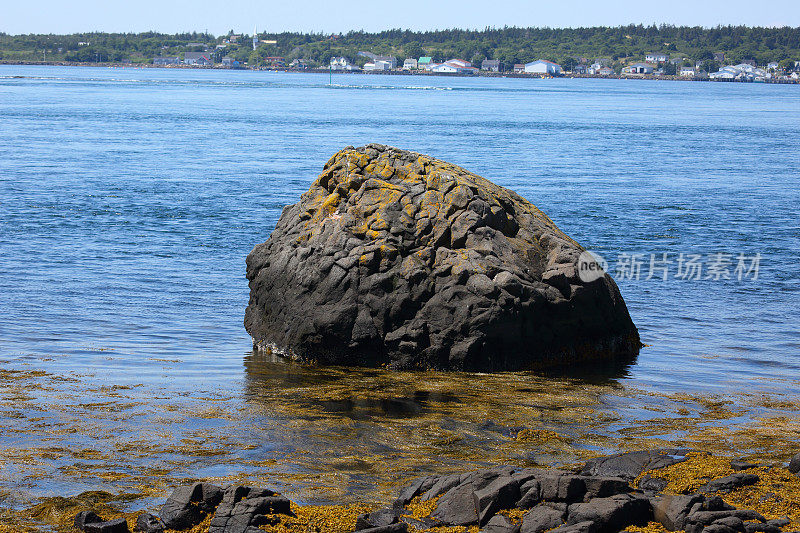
482	74
641	491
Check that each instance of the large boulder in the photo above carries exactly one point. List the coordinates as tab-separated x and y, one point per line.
394	258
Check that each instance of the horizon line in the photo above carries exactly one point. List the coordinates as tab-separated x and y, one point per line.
431	30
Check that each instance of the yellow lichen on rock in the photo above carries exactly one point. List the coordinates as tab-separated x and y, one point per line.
331	202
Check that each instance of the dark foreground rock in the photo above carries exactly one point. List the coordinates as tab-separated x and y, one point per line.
503	499
189	505
393	258
630	465
243	509
118	525
598	499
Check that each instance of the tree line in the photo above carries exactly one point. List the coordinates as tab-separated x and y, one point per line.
510	45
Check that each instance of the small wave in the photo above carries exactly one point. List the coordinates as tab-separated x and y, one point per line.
392	87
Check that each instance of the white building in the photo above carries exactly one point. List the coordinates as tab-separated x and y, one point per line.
391	60
425	62
594	69
491	65
722	75
773	65
542	66
457	66
342	63
377	65
741	72
656	58
410	64
166	60
688	72
639	68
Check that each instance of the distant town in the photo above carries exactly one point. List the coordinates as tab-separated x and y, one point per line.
731	53
653	65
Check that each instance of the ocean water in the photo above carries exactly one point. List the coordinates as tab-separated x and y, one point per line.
129	199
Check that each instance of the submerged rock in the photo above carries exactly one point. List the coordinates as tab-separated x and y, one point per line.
395	258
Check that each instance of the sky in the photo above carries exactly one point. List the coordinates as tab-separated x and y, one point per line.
171	16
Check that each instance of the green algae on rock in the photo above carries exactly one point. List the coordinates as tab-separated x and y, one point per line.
394	258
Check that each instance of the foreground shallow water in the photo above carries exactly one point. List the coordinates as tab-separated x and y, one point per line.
336	435
131	197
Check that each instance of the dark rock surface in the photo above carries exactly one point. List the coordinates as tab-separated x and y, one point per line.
393	258
738	465
188	505
611	514
589	502
85	517
794	464
729	483
542	518
400	527
379	518
148	523
502	499
501	524
671	510
118	525
242	509
629	465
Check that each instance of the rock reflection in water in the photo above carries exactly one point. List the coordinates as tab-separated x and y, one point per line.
398	424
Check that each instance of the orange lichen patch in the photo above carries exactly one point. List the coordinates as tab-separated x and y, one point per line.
776	495
651	527
331	202
515	515
418	509
316	519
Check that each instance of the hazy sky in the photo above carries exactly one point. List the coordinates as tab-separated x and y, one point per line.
60	16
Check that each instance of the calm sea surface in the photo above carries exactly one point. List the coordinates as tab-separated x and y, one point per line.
129	199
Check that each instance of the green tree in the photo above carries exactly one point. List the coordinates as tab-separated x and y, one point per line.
413	49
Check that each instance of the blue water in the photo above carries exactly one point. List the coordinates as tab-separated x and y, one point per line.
129	199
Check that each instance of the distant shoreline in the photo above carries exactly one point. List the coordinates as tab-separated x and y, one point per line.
479	74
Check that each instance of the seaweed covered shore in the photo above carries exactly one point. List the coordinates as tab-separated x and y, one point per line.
641	491
327	436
